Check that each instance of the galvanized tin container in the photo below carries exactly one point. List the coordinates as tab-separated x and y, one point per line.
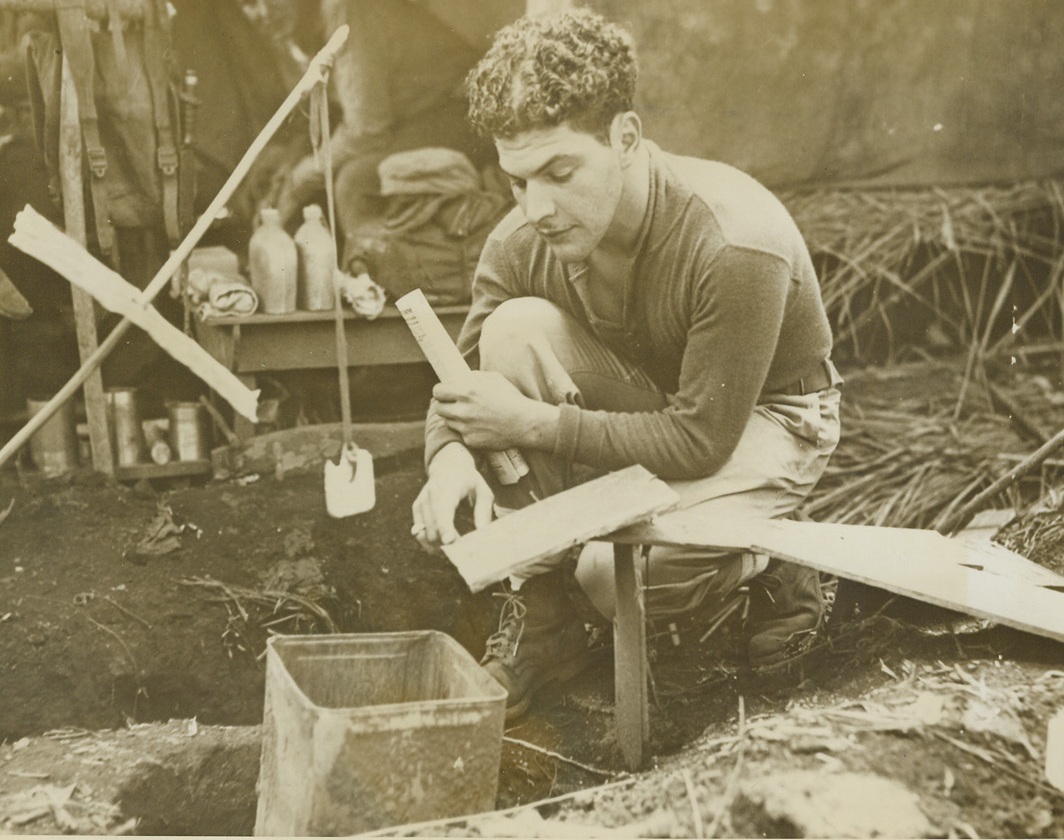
188	431
363	731
123	419
54	447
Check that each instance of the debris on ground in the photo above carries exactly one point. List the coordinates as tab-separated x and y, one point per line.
177	777
957	715
162	535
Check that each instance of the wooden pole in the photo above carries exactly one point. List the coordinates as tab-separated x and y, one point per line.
630	657
1029	463
73	192
180	254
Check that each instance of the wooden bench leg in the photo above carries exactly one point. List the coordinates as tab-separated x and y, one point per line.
244	428
630	657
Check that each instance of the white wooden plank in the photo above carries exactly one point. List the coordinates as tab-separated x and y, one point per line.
690	528
907	562
557	523
37	237
998	560
995	584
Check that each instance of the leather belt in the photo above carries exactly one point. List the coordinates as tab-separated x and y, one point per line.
815	379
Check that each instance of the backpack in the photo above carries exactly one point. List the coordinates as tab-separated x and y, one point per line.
122	74
437	217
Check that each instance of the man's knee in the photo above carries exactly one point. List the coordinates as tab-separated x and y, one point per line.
513	329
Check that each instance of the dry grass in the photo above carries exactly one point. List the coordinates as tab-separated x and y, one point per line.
912	451
254	614
962	257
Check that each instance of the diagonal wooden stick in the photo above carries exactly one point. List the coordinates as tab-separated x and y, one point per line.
951	523
36	236
162	277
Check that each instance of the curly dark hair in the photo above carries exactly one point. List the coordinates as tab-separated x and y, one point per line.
540	72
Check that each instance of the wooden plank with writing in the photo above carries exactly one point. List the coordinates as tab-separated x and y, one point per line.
555	524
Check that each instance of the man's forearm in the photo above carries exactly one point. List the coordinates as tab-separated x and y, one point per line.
539	428
448	455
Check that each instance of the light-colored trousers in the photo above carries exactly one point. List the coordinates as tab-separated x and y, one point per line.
780	456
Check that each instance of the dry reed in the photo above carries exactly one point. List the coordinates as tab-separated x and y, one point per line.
959	255
912	460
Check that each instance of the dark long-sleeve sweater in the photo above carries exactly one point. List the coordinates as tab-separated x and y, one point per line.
722	306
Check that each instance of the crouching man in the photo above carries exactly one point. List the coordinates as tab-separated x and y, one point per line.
636	307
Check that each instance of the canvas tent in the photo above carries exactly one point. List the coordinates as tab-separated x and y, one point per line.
869	92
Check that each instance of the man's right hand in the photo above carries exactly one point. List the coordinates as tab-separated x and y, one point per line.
453	479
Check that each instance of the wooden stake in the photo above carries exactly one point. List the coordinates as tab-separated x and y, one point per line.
73	192
630	657
1029	463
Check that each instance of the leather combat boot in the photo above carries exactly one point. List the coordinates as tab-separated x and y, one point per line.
787	608
540	640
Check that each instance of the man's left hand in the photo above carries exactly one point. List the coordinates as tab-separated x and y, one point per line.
488	411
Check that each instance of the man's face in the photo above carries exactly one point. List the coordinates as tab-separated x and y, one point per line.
567	183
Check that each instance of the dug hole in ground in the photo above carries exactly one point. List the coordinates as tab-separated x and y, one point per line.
133	619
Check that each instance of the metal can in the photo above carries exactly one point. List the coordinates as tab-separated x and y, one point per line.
157	439
123	416
188	431
54	447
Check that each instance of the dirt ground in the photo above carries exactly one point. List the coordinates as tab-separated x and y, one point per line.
125	604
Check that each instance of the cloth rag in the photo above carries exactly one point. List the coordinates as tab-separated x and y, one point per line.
215	294
362	294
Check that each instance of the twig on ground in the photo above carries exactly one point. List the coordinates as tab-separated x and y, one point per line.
121	641
994	761
128	612
559	757
299	606
733	780
722	616
1026	465
696	811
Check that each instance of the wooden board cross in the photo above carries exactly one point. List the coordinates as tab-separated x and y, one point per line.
979	579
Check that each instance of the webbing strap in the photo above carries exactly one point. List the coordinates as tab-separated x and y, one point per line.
114	25
156	51
77	47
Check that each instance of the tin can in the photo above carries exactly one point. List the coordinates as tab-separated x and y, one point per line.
54	447
123	419
188	431
157	439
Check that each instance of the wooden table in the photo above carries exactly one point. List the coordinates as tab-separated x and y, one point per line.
256	344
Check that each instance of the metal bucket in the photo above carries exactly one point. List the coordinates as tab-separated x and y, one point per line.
363	731
188	431
54	447
123	419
